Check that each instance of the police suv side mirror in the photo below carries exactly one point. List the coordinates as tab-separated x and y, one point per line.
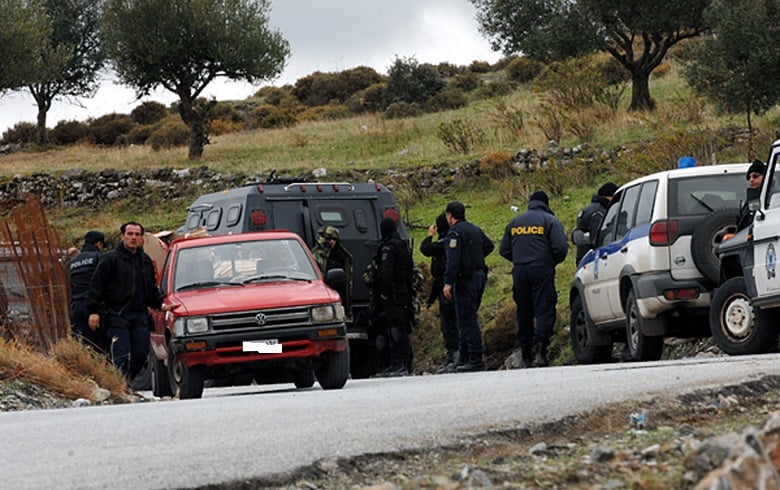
753	202
580	237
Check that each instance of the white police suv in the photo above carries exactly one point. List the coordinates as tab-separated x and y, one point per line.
654	266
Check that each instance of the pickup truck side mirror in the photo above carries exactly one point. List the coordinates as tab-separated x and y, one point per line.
336	278
753	201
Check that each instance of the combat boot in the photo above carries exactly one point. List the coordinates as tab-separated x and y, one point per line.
541	355
528	360
475	363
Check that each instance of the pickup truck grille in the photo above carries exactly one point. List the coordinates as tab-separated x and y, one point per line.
282	317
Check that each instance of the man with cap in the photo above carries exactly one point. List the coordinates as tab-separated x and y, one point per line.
331	254
755	177
535	242
81	268
465	276
434	248
391	291
589	219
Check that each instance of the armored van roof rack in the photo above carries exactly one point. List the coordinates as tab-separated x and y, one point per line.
274	179
335	185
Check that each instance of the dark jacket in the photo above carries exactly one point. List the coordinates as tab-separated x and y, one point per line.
535	236
81	268
394	271
589	220
435	250
466	247
116	282
744	216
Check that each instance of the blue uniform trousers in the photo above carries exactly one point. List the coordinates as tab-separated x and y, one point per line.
468	296
535	297
128	335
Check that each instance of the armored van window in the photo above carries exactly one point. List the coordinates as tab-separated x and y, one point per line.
193	221
330	215
233	215
212	220
360	221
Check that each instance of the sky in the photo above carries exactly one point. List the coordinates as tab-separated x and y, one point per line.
324	35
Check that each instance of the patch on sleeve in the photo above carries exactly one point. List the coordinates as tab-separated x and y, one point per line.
385	256
453	243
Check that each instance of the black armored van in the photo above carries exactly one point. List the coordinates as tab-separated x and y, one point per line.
303	207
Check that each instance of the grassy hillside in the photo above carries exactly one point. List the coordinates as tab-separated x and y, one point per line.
682	125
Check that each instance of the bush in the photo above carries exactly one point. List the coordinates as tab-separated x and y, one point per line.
221	126
446	100
228	112
149	113
272	95
368	100
573	83
68	132
138	135
465	81
459	135
109	129
497	165
523	69
172	132
22	133
322	88
448	70
267	116
335	111
401	110
479	67
410	82
496	88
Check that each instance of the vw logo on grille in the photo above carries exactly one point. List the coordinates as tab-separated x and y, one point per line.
260	318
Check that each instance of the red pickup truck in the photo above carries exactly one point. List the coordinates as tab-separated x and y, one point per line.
252	307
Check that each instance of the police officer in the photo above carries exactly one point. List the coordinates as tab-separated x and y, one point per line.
391	289
755	177
447	318
81	268
465	276
535	242
331	254
589	219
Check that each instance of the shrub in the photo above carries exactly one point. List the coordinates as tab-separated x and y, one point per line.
272	95
548	120
496	88
506	117
172	132
368	100
459	135
448	70
479	67
228	112
523	69
335	111
410	82
572	83
107	130
68	132
149	113
401	110
446	100
312	114
503	62
497	165
323	88
268	116
138	135
465	81
221	126
22	133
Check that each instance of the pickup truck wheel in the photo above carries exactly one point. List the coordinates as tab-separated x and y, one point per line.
640	347
187	381
304	378
582	338
737	327
161	384
332	374
706	238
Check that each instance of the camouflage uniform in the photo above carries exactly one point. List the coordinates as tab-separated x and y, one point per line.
334	257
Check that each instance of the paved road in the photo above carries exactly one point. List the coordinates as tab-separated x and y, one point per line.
259	431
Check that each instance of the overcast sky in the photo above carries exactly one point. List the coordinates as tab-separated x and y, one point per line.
324	35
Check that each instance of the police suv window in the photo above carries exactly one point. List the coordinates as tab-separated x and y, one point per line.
607	231
644	212
627	211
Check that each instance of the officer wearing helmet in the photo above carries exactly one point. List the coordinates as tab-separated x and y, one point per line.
331	254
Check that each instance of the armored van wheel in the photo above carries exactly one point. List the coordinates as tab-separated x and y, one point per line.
161	385
640	347
737	327
187	381
332	374
582	338
304	378
706	239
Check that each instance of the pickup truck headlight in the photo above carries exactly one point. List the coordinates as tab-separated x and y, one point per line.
327	313
184	326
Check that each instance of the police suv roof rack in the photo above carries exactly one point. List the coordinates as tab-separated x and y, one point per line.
319	185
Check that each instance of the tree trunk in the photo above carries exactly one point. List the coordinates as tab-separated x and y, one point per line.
44	103
640	91
195	122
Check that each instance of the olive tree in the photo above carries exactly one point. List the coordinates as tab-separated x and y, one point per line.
638	34
24	31
183	45
68	64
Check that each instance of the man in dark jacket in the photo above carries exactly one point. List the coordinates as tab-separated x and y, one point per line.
465	276
122	288
535	242
448	321
391	291
81	268
755	177
589	219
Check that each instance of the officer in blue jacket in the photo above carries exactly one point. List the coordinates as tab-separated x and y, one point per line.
81	268
465	276
535	242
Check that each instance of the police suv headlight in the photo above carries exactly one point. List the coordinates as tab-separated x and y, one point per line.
324	313
183	326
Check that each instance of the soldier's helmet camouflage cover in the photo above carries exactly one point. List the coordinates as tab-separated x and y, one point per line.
326	232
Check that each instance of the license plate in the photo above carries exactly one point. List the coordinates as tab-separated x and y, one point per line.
270	346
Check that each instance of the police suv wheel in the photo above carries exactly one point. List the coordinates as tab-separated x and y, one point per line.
640	347
737	327
582	339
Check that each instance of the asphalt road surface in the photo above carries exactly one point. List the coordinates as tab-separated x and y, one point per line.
235	434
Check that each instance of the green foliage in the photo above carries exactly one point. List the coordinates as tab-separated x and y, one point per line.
496	165
22	133
447	99
401	110
149	112
138	135
69	132
370	99
170	133
494	88
323	88
25	32
479	67
523	69
571	83
507	118
465	81
273	95
267	116
107	130
460	135
549	120
448	70
411	82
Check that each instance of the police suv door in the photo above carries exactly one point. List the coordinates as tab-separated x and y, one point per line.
766	234
597	272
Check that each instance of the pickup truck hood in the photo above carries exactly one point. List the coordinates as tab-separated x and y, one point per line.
252	297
